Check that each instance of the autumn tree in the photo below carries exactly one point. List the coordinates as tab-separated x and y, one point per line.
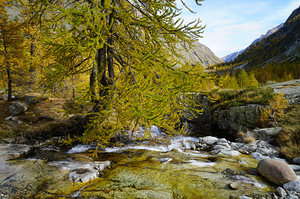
128	49
12	49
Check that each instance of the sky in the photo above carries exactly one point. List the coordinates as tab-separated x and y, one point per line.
232	25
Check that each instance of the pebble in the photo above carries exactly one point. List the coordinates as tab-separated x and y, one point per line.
233	186
281	192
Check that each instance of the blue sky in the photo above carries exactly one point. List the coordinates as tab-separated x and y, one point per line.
232	25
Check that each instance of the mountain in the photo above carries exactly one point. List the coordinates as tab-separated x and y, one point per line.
232	56
200	53
281	46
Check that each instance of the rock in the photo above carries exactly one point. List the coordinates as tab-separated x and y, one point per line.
16	108
267	134
280	192
244	197
30	99
228	152
248	147
222	140
233	186
296	160
165	160
292	186
33	98
295	167
5	97
235	119
274	196
210	140
81	171
218	146
236	145
276	171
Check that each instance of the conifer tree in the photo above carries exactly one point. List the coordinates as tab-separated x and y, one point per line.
128	48
243	79
12	49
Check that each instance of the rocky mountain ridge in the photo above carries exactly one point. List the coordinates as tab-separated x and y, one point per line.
200	53
281	46
234	55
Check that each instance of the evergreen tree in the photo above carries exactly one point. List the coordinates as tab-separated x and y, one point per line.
128	48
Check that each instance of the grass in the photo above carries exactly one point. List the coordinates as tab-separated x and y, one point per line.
9	132
241	97
289	138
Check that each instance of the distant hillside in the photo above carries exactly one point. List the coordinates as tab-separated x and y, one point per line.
234	55
200	53
281	46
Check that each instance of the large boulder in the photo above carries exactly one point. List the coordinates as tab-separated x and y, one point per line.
276	171
16	108
267	134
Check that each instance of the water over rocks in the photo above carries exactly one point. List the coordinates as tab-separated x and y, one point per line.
150	168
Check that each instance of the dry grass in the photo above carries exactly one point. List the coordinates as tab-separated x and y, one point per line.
240	135
249	140
289	138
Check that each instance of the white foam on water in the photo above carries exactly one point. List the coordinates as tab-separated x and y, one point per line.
201	164
179	143
79	148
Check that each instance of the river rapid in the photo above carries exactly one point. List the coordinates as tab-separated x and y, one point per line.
161	167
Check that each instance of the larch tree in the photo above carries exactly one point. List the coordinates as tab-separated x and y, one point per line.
128	47
12	49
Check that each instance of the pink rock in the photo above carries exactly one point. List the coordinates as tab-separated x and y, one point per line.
276	171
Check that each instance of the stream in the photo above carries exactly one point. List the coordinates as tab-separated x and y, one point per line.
165	167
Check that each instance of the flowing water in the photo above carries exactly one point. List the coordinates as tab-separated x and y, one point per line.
161	168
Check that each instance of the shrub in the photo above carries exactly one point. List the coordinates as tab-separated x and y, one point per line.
276	109
249	140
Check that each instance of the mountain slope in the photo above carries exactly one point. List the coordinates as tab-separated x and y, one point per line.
283	45
200	53
234	55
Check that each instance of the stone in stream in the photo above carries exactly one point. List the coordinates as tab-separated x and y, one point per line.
280	192
276	171
81	171
210	140
292	186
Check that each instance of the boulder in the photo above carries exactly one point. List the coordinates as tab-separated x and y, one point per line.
267	134
276	171
235	119
16	108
